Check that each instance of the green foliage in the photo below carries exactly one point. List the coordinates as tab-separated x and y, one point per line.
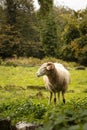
48	27
45	7
19	36
71	116
83	27
67	54
22	110
83	22
26	21
70	33
50	31
49	35
30	49
74	38
79	46
11	12
9	41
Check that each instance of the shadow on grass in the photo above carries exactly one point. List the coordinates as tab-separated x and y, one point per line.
14	87
36	87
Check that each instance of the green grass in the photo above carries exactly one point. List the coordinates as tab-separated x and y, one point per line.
23	97
18	76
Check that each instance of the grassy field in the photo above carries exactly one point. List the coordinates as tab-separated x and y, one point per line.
23	97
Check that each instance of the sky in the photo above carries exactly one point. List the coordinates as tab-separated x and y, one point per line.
73	4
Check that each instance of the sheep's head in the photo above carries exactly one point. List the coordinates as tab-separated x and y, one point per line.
45	69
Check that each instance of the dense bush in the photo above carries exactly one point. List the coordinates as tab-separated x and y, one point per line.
9	41
67	54
70	33
83	27
23	109
79	47
49	35
71	116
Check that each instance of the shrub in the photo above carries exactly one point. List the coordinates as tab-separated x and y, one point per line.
72	116
79	47
23	109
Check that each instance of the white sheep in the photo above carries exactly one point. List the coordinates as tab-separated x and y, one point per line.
56	78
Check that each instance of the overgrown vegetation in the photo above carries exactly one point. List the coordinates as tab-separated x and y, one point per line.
71	116
51	31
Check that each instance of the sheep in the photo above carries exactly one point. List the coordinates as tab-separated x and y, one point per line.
56	78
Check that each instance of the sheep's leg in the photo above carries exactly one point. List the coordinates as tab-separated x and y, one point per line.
59	97
50	98
55	98
63	97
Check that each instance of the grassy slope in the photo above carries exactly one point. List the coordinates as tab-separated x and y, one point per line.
18	92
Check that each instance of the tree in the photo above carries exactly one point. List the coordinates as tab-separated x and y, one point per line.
48	27
70	33
45	7
18	30
79	47
49	36
83	27
11	12
10	37
9	41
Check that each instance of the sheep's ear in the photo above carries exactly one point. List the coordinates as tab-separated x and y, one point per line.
50	66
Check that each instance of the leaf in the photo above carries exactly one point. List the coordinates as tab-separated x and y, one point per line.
85	126
75	127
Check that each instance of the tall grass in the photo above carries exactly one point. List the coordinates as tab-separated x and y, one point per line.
34	61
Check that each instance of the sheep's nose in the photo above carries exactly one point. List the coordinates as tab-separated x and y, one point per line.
37	74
